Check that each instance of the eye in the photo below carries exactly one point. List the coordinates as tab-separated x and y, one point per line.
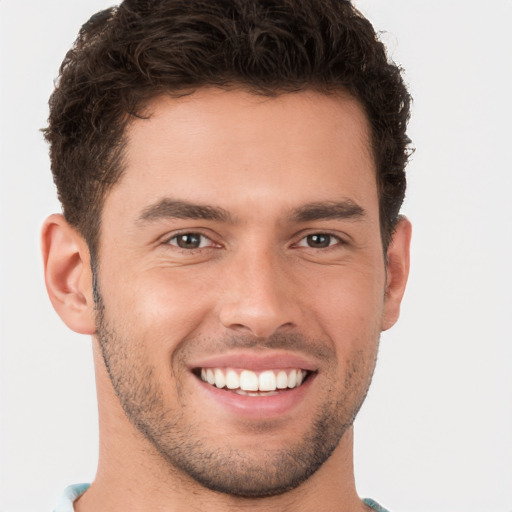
190	241
319	241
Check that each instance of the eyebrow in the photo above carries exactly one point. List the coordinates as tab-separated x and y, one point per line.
169	208
329	210
325	210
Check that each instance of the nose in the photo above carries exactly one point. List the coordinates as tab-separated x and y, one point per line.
258	295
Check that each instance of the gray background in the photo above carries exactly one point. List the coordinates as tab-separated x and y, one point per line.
436	431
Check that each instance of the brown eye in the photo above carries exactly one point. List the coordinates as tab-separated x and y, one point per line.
319	240
189	241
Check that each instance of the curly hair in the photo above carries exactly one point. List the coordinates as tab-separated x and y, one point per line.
126	55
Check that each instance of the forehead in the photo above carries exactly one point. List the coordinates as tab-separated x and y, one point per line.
219	147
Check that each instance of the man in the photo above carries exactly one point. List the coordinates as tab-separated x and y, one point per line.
231	174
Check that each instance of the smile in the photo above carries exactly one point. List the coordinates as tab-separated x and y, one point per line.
250	383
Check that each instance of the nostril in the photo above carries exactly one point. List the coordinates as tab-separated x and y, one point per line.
239	327
260	329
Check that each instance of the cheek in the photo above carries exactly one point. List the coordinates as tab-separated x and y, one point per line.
157	304
348	307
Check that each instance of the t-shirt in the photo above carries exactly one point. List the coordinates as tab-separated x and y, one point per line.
73	492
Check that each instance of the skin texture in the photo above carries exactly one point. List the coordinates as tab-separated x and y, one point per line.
257	287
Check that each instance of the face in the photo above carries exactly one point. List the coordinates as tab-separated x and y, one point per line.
241	283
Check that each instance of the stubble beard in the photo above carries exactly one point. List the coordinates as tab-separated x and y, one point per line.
261	473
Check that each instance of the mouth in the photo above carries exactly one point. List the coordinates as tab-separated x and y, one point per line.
251	383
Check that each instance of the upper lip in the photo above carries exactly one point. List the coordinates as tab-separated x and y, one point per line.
257	362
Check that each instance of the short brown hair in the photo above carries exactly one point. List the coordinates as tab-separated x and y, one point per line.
125	55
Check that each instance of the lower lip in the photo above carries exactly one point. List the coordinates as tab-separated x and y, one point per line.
258	407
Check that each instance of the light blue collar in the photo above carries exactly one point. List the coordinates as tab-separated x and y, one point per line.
73	492
69	495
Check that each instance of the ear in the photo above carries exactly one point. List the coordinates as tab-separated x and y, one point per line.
68	274
397	272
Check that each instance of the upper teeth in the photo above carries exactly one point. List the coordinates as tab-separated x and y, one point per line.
247	380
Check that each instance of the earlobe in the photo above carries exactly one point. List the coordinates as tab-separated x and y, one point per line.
68	275
397	272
